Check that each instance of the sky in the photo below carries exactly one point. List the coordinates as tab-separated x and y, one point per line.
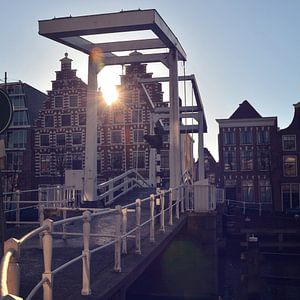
237	50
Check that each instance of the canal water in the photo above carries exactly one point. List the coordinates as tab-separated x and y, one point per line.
190	268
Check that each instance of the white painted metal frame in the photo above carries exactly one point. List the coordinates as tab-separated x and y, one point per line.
70	31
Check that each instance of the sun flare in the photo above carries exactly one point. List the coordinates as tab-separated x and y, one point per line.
108	80
109	93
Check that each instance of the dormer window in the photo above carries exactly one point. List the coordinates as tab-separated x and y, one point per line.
288	142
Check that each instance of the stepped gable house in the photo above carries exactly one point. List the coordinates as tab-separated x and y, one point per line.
60	127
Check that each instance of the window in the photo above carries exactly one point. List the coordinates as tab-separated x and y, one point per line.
137	116
116	136
49	121
247	191
18	101
138	136
245	137
164	159
118	117
66	120
290	165
20	118
116	160
76	138
44	139
139	160
14	160
98	163
98	137
229	161
82	119
289	142
265	191
73	101
58	101
45	164
229	138
16	138
60	139
263	157
246	160
60	163
76	161
290	195
263	137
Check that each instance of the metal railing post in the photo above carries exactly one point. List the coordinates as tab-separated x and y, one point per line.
110	194
260	209
47	252
244	207
182	198
117	267
13	272
18	208
41	220
162	212
124	230
152	218
40	195
176	192
64	225
138	226
86	290
171	208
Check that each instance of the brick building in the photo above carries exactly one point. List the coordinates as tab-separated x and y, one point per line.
285	165
60	127
18	138
245	155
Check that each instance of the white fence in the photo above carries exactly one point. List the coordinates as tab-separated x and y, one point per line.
10	273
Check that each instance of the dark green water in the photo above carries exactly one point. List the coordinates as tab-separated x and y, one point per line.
187	269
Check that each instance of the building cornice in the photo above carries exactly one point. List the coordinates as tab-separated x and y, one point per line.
266	121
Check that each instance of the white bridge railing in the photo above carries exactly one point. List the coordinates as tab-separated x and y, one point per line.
118	186
47	197
124	230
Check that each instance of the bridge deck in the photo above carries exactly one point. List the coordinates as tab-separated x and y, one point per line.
104	281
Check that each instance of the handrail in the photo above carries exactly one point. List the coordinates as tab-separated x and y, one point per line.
4	270
118	238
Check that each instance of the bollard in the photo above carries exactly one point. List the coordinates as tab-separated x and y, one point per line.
162	212
18	208
138	226
117	267
244	208
124	230
170	208
13	272
47	252
86	258
152	219
260	209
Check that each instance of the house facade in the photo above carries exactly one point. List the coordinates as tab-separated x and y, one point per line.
245	155
285	165
18	138
61	126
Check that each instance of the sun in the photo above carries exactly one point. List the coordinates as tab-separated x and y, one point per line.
108	81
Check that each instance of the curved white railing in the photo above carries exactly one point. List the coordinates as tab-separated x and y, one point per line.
10	273
118	186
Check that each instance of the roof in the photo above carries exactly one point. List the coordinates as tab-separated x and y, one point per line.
245	111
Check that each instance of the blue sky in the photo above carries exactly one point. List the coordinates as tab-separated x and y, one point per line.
237	49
